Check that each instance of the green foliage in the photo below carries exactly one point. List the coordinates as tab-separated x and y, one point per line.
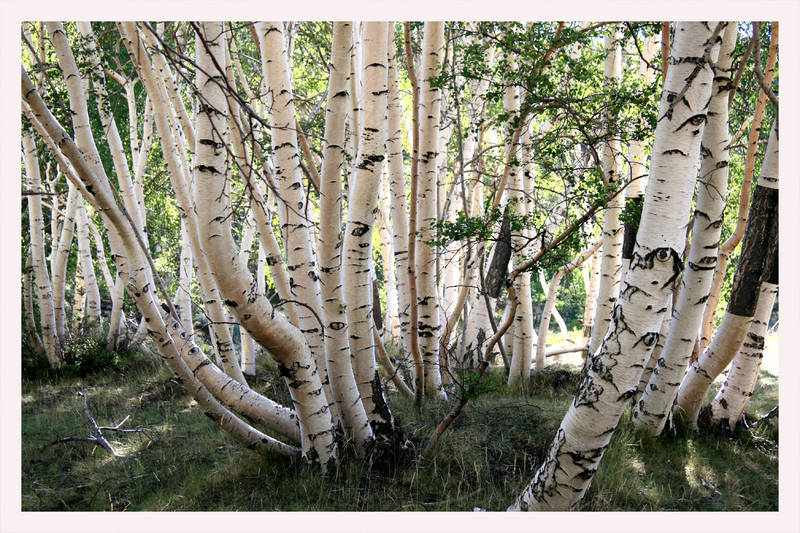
83	357
632	213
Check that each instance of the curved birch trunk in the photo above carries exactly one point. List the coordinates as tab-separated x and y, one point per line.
615	367
237	286
129	259
357	245
732	399
337	349
174	150
552	293
762	223
427	298
652	409
41	278
611	263
232	390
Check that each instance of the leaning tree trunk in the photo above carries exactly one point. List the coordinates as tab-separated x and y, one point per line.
762	223
41	278
340	371
237	287
427	300
552	293
637	160
173	148
652	409
731	400
611	262
129	254
284	343
727	247
614	369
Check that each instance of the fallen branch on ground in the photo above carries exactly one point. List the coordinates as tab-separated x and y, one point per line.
97	431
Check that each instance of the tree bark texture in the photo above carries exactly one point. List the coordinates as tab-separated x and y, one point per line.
615	368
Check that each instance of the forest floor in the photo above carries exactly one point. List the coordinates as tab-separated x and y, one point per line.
183	462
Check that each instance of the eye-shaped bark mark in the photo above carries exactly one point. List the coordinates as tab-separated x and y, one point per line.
360	229
695	120
663	255
649	339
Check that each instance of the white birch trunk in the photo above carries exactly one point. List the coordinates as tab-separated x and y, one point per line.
427	297
732	399
78	301
93	318
397	183
652	409
357	246
614	370
761	224
41	278
391	321
174	150
337	349
237	286
300	261
611	262
520	339
27	297
183	300
562	326
62	255
129	259
591	298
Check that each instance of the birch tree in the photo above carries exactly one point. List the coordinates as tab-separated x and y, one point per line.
614	370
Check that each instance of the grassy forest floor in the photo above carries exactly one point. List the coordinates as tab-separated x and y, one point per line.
183	462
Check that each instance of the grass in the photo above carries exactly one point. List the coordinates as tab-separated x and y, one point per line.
185	463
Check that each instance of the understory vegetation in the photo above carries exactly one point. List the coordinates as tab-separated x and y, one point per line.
483	461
